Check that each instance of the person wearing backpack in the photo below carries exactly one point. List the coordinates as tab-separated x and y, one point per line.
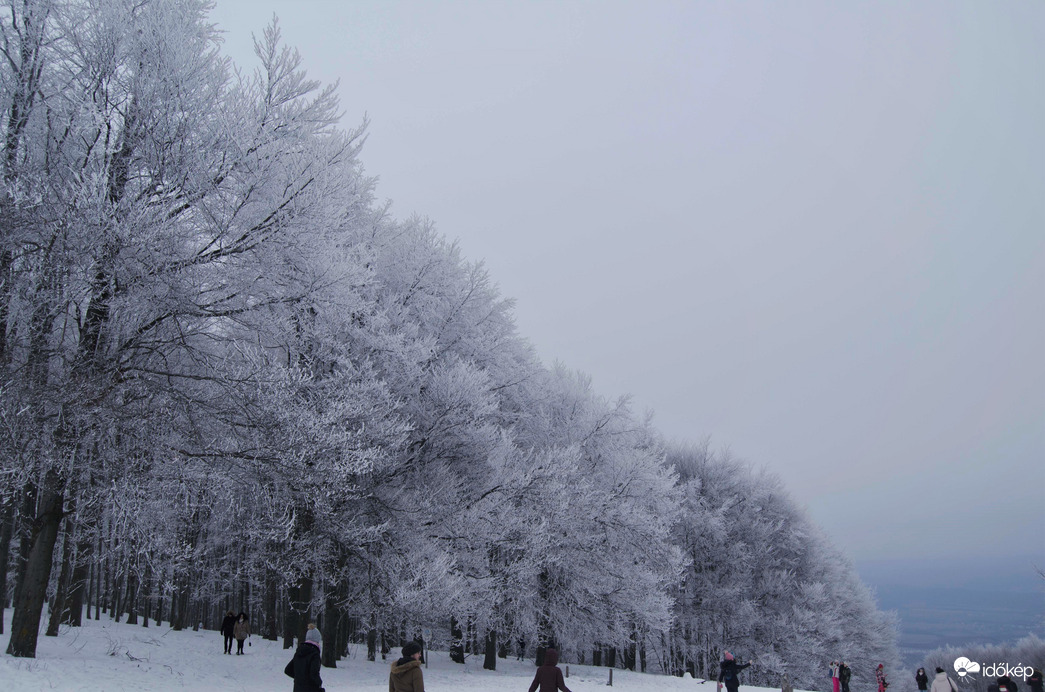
942	682
728	672
879	676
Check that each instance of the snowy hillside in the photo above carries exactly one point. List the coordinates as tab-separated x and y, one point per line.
112	657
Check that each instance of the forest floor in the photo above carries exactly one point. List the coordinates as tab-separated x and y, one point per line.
113	657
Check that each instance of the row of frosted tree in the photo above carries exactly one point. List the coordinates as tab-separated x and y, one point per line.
231	379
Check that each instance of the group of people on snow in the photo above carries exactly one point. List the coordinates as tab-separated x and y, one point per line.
406	676
943	683
841	674
235	627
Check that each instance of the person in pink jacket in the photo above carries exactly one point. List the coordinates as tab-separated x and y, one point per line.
879	676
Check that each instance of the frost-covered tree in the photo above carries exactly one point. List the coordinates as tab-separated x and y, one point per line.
159	200
764	582
230	379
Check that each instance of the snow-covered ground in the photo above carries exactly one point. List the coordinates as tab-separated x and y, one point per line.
116	657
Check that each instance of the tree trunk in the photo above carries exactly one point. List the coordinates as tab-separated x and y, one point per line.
98	580
456	641
330	623
343	634
302	607
180	604
6	532
371	639
630	653
89	600
25	622
132	597
81	575
270	606
116	611
25	542
147	598
290	618
490	660
58	606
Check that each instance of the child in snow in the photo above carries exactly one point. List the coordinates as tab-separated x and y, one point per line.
879	676
729	671
549	676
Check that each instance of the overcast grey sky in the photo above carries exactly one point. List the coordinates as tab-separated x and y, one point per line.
813	231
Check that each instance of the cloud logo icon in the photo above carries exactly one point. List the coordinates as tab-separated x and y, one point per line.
964	666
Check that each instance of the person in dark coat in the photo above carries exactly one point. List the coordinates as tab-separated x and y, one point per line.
728	672
922	679
405	675
845	674
241	630
1035	681
549	675
304	668
1006	684
227	629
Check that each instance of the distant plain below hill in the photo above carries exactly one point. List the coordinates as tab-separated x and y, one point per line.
959	601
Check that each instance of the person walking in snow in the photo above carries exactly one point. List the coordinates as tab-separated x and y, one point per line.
549	675
227	630
845	674
835	686
1035	681
405	675
728	672
304	667
943	683
241	631
922	679
879	676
